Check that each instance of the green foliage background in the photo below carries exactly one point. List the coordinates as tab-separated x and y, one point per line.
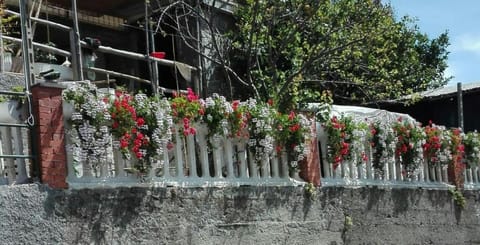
292	50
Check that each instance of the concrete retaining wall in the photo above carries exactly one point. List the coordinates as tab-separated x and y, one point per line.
34	214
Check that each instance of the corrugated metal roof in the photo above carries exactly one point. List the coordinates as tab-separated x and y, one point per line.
450	90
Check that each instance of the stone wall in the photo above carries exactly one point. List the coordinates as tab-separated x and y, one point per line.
35	214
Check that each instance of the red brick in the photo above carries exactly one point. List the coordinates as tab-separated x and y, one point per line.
455	173
310	166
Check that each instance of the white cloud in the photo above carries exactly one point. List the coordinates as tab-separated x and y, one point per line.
468	43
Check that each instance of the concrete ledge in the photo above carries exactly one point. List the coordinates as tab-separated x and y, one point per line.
236	215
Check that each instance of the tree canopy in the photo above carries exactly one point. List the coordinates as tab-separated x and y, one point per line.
292	50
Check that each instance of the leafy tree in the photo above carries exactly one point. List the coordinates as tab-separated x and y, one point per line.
291	50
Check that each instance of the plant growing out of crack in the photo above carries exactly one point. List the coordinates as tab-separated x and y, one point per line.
458	197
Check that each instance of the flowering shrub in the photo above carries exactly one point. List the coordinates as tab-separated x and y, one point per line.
410	138
436	149
260	118
217	111
471	141
456	145
142	126
90	120
383	142
291	129
187	109
340	138
152	131
124	120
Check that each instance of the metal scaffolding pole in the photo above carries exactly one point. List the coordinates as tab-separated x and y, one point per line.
75	43
27	44
460	106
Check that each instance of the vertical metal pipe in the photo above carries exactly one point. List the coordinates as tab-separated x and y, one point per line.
1	39
460	105
154	64
201	87
77	55
26	45
147	41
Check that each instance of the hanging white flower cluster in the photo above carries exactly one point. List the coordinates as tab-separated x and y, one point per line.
90	136
143	126
472	148
261	141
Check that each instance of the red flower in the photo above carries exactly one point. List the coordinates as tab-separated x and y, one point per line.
191	95
364	157
140	121
270	102
278	148
235	104
291	116
139	155
294	128
123	143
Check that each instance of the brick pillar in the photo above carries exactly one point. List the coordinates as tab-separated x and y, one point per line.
455	172
310	167
49	140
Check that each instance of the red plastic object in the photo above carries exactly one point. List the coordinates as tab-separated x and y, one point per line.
159	55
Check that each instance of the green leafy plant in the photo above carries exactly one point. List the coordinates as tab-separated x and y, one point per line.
310	191
458	197
45	56
471	141
19	98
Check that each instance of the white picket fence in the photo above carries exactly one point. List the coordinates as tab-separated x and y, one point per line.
14	147
189	163
472	178
361	173
13	170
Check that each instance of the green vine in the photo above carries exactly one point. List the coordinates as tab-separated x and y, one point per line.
310	191
458	198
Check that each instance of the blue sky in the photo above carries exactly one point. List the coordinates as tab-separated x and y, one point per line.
461	19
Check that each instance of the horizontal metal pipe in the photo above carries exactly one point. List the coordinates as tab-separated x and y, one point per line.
43	47
17	156
116	74
42	21
133	55
4	92
16	125
126	76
